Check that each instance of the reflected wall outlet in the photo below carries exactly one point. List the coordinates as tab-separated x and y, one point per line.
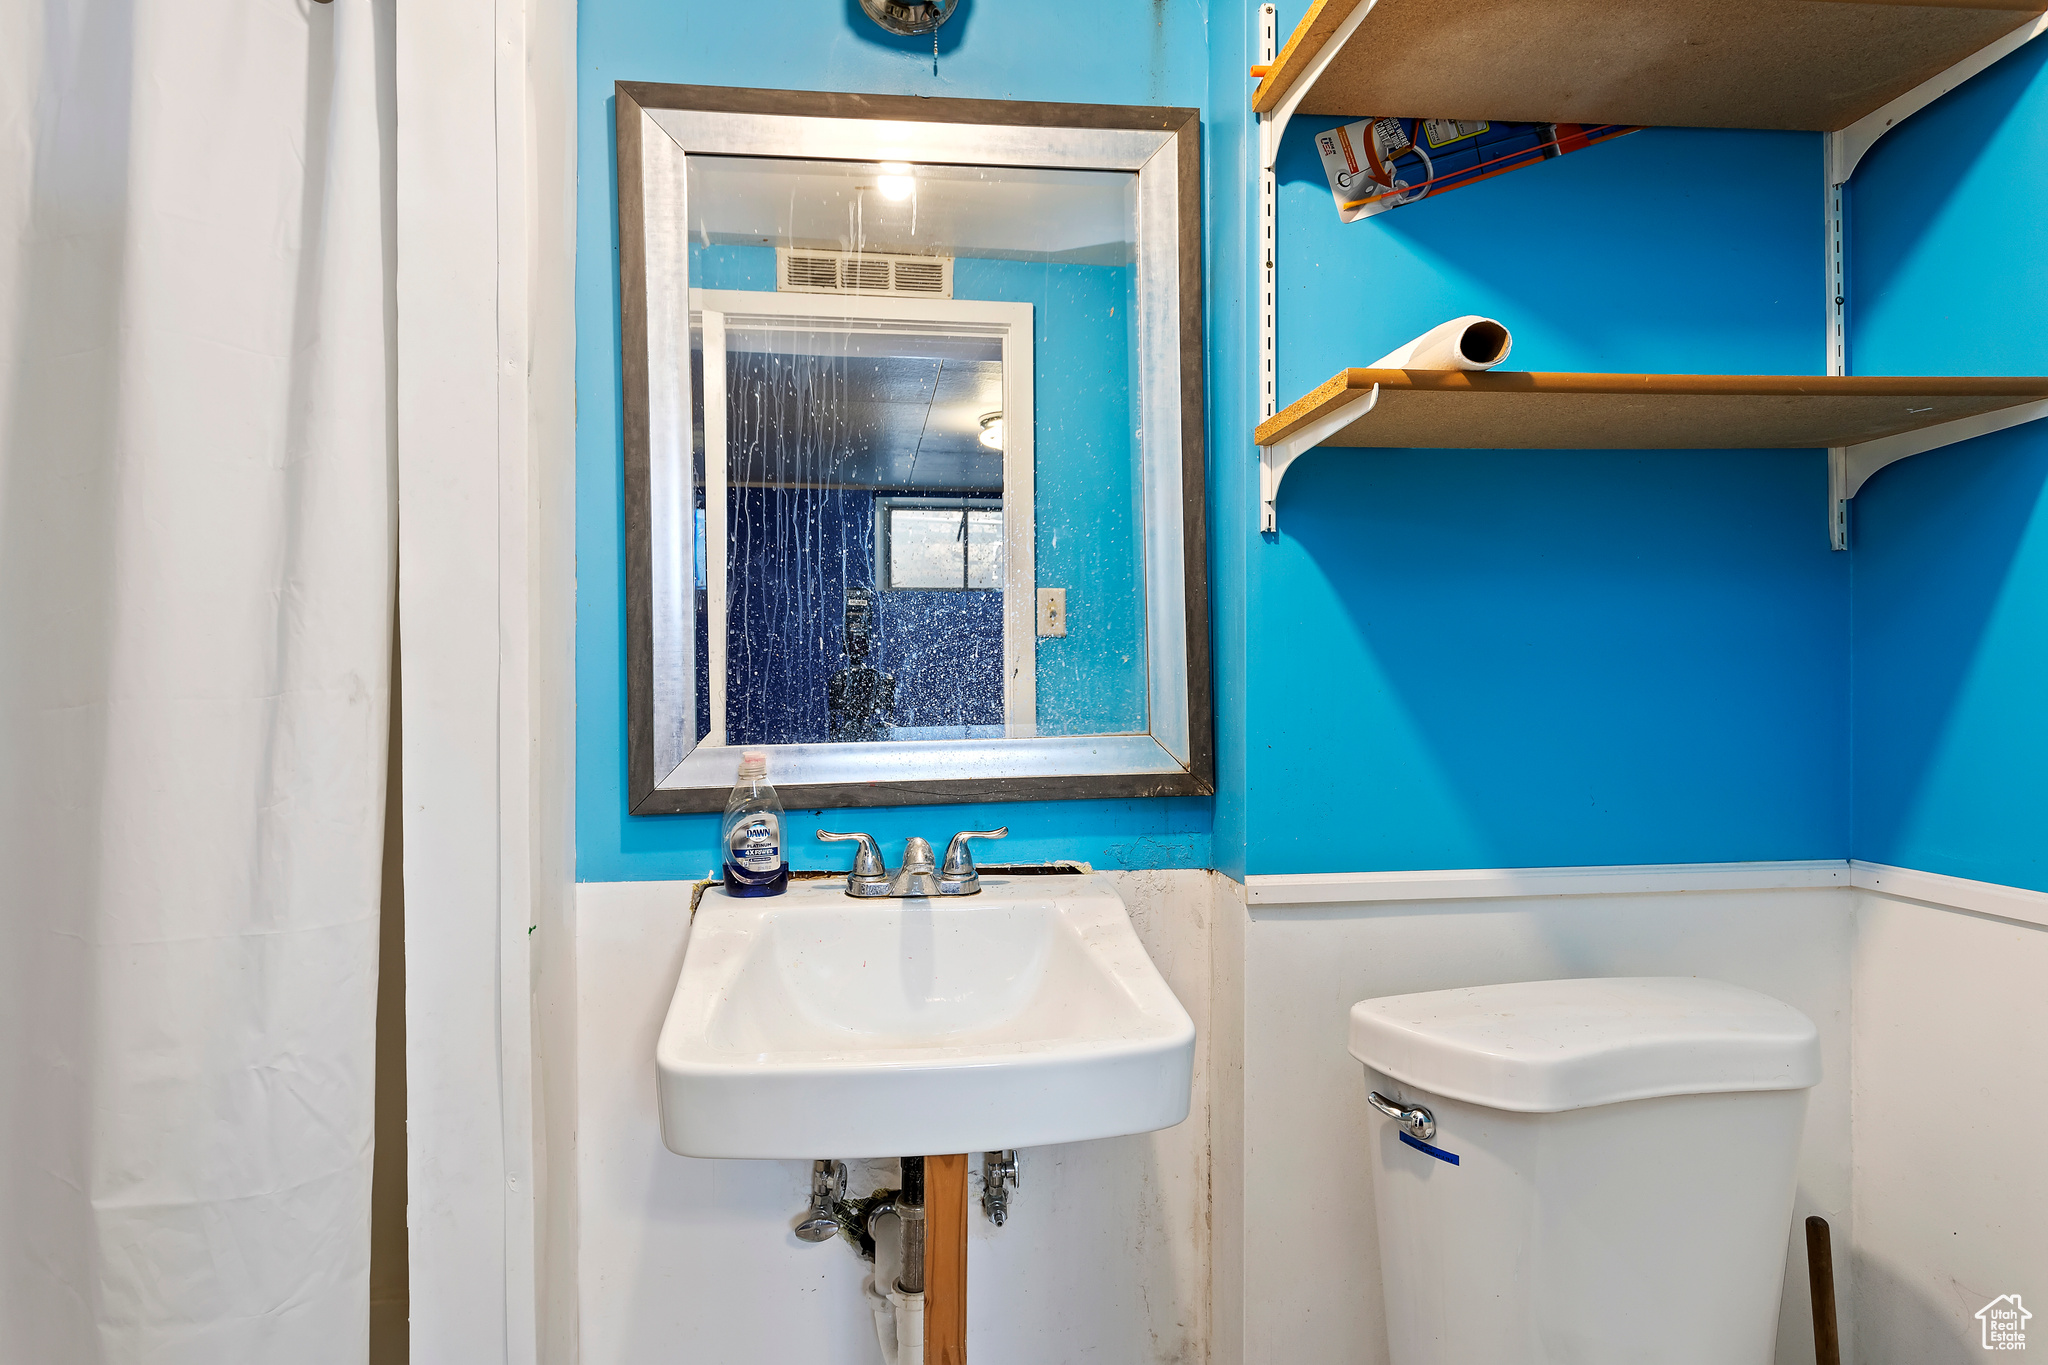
1052	612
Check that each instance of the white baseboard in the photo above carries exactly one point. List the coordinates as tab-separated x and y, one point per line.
1952	893
1351	888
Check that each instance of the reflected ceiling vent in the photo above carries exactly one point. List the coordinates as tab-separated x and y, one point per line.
804	271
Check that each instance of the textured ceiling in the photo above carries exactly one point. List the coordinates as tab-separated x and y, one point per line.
1004	212
886	422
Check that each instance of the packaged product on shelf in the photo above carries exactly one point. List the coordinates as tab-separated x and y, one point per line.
1376	164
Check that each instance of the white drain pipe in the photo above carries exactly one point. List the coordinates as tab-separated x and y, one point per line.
899	1316
909	1332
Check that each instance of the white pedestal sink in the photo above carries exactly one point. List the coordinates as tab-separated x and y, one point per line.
815	1025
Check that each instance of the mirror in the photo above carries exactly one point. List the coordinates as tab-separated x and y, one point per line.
913	447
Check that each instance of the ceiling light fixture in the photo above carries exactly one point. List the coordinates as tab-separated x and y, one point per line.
992	431
896	182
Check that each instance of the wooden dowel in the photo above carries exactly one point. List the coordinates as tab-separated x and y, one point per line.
945	1273
1820	1275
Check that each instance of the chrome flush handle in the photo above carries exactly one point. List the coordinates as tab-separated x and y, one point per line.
1420	1123
957	876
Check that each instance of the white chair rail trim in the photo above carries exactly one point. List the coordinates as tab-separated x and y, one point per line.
1501	883
1953	893
1494	883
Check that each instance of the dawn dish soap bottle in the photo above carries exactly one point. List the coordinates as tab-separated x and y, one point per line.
754	865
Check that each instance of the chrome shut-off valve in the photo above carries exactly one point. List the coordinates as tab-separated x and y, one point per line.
998	1178
828	1192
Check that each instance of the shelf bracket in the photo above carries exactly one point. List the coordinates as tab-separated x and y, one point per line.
1846	148
1273	125
1850	467
1275	459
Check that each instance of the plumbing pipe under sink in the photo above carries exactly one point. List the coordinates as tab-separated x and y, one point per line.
899	1324
898	1311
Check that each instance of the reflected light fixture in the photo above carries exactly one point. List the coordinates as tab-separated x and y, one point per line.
992	431
896	182
910	17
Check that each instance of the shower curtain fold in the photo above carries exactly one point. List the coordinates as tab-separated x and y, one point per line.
196	585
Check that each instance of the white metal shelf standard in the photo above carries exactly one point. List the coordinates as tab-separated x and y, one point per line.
1269	250
1848	466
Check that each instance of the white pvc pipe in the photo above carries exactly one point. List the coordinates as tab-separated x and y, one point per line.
1467	343
909	1328
899	1317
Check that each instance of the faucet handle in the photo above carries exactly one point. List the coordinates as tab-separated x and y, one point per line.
870	875
957	876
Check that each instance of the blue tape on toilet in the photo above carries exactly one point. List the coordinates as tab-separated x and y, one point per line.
1439	1153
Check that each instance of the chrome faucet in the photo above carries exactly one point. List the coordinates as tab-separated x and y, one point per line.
918	876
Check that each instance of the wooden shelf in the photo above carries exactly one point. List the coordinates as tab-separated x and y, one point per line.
1459	409
1865	421
1808	64
1850	68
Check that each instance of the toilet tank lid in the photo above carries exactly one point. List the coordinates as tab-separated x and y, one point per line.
1545	1046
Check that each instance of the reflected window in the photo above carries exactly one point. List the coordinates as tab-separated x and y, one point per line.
954	546
860	596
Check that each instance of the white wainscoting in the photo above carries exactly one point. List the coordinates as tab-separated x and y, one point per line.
1922	1142
1950	1112
689	1262
1921	1146
1293	1116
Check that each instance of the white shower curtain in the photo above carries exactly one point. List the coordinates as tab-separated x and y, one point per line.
196	545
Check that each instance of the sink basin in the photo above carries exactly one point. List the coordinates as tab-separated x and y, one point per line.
814	1025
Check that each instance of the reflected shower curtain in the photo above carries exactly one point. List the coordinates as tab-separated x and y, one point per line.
196	543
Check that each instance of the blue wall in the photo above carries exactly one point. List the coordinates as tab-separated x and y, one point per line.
1133	53
1949	275
1088	537
1459	659
1450	659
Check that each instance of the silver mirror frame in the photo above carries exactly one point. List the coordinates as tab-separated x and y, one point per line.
658	128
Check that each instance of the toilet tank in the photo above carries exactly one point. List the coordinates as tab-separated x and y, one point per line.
1606	1176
